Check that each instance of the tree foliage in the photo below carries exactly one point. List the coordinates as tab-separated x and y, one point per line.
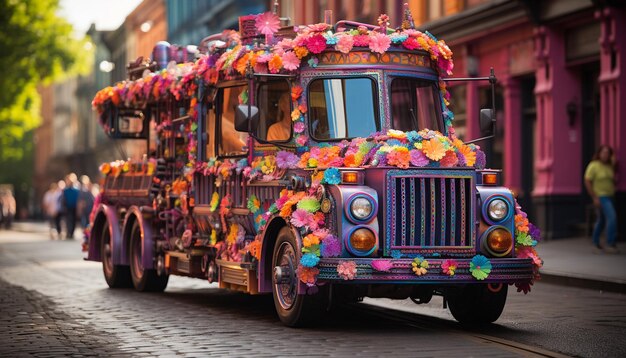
37	47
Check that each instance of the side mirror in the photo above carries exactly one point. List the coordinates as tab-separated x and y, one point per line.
245	123
126	123
487	121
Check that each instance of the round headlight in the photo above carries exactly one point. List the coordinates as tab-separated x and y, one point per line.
362	241
500	241
498	209
361	208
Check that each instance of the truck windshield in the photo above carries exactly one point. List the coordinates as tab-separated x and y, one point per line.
413	104
342	108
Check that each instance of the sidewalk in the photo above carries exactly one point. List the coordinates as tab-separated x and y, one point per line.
572	261
569	261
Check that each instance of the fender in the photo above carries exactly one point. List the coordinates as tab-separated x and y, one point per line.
108	214
267	251
136	214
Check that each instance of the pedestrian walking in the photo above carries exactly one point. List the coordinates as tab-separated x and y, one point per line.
600	180
85	200
7	207
51	204
70	203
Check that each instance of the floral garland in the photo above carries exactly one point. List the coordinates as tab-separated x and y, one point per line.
285	56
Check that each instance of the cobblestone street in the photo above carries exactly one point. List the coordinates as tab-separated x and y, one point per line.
55	304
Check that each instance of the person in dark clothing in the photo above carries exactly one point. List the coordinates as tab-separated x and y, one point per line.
70	203
85	200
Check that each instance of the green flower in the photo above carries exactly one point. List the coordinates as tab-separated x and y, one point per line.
480	267
309	204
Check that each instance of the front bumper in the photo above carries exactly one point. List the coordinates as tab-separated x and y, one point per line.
503	270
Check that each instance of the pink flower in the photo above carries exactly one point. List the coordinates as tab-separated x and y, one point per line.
418	158
291	62
344	44
361	40
301	218
267	23
449	266
298	127
321	27
382	265
379	42
347	270
410	44
321	233
302	140
316	43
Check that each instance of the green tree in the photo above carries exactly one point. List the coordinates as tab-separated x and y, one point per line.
38	47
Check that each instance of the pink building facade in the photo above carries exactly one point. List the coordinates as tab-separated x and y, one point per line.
561	93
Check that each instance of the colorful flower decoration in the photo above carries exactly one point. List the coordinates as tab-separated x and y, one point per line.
309	260
347	270
215	200
332	176
382	265
420	265
253	204
480	267
267	23
449	267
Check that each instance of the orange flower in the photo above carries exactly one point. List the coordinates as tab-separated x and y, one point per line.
433	149
521	223
300	51
350	161
317	177
296	92
105	168
255	249
308	275
400	157
310	240
286	210
304	160
275	64
468	153
302	107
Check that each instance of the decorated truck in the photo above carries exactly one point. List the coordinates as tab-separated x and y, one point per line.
315	163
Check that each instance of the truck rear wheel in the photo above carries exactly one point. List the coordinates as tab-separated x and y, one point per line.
478	303
294	310
116	276
143	279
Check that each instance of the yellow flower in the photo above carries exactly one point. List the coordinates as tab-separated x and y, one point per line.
394	133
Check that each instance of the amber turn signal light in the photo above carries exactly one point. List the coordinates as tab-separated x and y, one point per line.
490	178
349	177
362	240
500	241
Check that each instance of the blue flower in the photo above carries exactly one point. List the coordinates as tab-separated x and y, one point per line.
396	254
398	38
330	38
332	176
309	260
412	136
313	62
480	267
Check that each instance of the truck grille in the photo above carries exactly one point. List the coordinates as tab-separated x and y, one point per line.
429	209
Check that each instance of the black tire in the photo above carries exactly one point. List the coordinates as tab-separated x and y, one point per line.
116	276
293	310
144	280
477	303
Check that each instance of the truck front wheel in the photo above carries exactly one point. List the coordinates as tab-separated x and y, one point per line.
477	303
116	276
294	310
143	279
